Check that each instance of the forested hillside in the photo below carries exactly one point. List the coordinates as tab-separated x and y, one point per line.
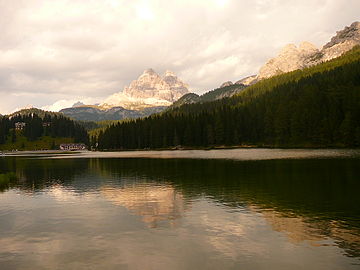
314	107
39	125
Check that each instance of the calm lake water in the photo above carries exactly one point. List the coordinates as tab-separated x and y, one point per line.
256	209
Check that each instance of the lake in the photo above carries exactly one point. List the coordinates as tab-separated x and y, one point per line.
221	209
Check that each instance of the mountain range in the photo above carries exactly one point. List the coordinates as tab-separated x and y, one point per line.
318	106
152	93
96	113
290	58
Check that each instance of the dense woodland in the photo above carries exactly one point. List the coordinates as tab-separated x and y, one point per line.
41	124
314	107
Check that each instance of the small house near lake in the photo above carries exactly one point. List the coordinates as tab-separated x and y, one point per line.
72	146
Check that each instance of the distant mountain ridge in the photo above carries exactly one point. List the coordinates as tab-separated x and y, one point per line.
226	91
95	113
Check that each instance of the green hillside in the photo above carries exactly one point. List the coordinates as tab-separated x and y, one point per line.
213	95
314	107
34	129
42	143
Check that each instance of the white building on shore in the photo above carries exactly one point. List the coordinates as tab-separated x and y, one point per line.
72	146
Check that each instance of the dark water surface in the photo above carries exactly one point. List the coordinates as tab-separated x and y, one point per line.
121	213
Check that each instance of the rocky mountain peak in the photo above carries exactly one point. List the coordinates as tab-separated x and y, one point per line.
308	47
150	89
169	73
290	58
149	71
78	104
349	33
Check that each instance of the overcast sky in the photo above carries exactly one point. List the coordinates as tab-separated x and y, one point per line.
63	51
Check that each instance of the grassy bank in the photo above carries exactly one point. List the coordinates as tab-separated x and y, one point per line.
43	143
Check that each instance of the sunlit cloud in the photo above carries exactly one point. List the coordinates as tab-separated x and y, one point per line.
144	12
221	3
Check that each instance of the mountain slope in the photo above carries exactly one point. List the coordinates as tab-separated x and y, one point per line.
226	91
34	129
293	57
314	107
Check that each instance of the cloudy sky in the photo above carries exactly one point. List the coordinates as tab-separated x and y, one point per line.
61	51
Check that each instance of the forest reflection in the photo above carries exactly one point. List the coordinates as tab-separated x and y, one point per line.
307	200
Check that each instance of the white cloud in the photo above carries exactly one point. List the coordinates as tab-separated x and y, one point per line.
65	50
67	103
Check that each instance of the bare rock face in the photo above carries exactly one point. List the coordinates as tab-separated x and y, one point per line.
228	83
247	80
292	57
78	104
350	33
150	89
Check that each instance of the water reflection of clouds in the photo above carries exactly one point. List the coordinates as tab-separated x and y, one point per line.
232	235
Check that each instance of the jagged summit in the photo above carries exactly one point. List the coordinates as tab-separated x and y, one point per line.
150	89
149	71
169	73
78	104
349	33
290	58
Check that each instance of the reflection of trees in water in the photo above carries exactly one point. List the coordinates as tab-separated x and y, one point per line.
309	200
35	174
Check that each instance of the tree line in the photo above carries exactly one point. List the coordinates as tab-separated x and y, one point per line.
36	126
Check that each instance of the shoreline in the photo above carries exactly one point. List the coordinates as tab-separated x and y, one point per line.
244	154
